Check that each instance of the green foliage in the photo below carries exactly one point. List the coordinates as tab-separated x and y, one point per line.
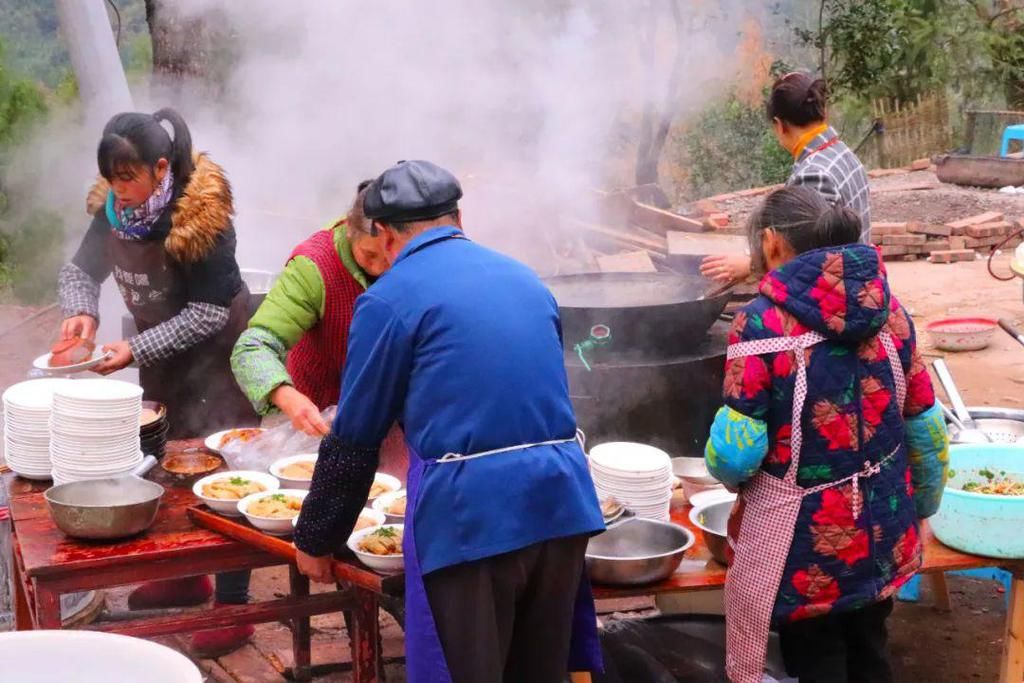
31	254
30	240
731	146
35	48
904	48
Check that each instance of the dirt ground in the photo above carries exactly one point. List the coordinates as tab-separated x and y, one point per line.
915	196
927	645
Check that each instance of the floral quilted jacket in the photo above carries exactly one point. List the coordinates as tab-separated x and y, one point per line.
836	562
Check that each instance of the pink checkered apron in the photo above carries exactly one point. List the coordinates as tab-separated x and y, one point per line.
771	508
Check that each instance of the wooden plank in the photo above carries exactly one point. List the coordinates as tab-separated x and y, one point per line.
293	607
629	262
344	570
690	244
661	221
624	237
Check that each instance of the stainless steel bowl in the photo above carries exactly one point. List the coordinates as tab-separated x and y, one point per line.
104	508
637	551
713	521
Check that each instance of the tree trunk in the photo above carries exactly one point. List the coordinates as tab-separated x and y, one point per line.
657	121
187	50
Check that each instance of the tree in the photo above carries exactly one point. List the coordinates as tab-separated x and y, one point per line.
658	115
188	49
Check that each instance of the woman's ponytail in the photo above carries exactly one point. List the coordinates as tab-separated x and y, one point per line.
181	145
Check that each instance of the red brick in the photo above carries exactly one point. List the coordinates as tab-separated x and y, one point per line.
980	219
987	230
883	229
911	257
919	228
921	165
718	220
905	240
957	243
937	245
952	256
890	251
983	242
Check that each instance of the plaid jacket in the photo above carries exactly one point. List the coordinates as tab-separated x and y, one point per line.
836	172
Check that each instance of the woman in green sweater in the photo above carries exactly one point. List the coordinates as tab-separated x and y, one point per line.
291	356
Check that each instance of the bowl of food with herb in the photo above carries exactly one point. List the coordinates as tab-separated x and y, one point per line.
379	547
982	508
222	491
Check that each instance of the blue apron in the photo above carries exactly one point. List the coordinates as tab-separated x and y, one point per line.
424	656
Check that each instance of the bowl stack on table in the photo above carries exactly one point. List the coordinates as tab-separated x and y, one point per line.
27	427
636	475
153	429
94	429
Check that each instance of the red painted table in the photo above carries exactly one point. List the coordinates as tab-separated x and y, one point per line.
47	564
938	559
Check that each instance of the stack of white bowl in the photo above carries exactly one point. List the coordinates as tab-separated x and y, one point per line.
634	474
94	429
27	427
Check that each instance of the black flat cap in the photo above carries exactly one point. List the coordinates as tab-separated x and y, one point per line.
412	191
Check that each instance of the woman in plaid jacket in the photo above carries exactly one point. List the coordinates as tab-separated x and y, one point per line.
798	111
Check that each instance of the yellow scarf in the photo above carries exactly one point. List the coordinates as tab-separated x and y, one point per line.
806	138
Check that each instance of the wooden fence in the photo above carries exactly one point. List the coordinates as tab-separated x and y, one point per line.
913	130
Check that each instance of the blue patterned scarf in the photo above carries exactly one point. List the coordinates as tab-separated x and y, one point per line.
136	223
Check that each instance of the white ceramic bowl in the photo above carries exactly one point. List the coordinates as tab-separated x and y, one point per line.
385	500
270	525
693	470
705	498
90	657
229	508
291	482
212	442
392	483
691	489
378	518
386	564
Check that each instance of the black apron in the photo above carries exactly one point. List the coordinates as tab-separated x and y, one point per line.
197	385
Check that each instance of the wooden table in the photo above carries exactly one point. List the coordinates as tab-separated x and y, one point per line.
938	559
47	564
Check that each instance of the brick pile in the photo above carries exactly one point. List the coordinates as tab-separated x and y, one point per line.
960	240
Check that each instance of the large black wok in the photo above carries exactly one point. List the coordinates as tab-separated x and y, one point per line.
659	314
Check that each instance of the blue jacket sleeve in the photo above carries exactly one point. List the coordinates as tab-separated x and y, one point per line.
928	446
373	391
736	447
376	375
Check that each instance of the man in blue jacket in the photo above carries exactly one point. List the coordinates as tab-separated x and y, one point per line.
462	346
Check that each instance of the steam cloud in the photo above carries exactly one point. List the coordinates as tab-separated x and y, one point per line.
530	102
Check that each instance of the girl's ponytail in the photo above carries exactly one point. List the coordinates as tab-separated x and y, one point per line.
181	145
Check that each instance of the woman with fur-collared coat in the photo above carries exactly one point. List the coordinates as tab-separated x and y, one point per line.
162	226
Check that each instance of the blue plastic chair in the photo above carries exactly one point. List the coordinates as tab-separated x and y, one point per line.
1011	133
911	590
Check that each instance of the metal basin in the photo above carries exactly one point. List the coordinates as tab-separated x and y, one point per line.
713	521
1002	425
104	509
637	551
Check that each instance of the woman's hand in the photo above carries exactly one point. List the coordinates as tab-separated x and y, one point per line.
726	268
303	413
317	568
83	326
119	357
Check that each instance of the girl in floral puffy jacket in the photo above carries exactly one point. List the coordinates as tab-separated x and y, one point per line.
832	435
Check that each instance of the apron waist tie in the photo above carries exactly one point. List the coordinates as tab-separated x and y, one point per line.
865	472
579	437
